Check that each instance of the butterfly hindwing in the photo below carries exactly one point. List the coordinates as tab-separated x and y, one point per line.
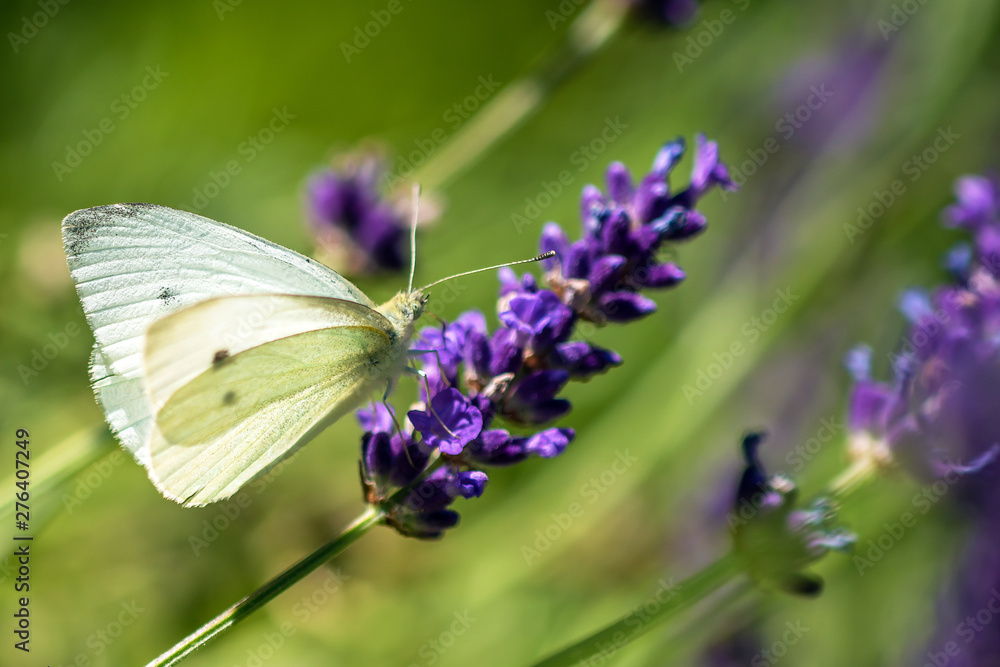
237	419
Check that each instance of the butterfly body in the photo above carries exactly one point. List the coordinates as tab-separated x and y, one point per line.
217	353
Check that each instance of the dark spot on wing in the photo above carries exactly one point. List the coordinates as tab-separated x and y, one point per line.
82	226
228	397
219	358
167	295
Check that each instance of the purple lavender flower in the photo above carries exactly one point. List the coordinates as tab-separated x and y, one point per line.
515	374
938	416
353	223
600	276
772	539
670	12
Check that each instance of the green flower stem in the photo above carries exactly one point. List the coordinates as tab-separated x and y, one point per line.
248	605
692	590
591	29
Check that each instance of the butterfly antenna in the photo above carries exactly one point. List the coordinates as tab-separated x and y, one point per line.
413	234
539	258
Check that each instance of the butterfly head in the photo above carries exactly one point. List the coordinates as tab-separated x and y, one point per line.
404	309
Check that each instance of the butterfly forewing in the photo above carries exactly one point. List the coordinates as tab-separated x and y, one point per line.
134	263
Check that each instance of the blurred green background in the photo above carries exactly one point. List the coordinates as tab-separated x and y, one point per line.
123	553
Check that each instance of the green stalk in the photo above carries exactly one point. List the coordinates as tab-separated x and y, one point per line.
251	603
610	639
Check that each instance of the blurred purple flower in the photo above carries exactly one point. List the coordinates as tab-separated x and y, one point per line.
773	540
672	12
352	222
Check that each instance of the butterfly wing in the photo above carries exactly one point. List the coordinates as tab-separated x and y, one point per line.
134	263
222	419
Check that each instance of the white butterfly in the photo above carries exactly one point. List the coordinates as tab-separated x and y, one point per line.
219	353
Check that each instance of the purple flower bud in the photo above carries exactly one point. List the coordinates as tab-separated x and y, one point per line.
606	274
660	275
625	306
668	157
978	203
578	259
389	460
591	204
351	220
540	319
651	199
377	418
469	484
554	239
615	233
619	183
451	424
495	448
505	352
687	224
533	401
708	169
582	360
549	443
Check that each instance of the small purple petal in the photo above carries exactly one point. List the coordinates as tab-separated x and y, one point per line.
550	442
452	423
660	275
619	183
606	274
625	306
